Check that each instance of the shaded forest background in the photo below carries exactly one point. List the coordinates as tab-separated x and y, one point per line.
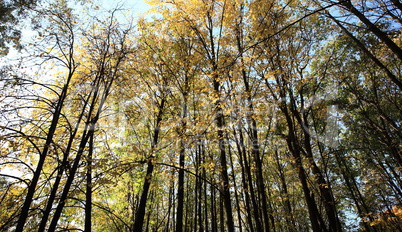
201	115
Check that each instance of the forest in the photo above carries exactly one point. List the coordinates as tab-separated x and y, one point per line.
201	115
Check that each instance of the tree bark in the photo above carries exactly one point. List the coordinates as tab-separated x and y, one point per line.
315	217
373	28
32	187
180	190
88	193
140	214
64	164
390	75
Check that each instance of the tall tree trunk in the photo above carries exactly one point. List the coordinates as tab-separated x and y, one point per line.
255	208
324	187
373	28
252	124
88	133
235	188
98	98
316	220
180	190
361	207
171	206
199	190
240	151
222	213
49	139
88	194
60	172
206	222
197	200
223	162
140	214
289	218
390	75
325	190
214	216
180	193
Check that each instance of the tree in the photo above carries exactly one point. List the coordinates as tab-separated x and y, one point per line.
205	116
11	13
64	44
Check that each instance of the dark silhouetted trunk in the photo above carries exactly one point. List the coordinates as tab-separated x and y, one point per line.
49	139
140	214
373	28
88	193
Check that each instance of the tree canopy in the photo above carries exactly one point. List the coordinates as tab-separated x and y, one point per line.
213	115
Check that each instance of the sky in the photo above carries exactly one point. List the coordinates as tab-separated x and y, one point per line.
135	6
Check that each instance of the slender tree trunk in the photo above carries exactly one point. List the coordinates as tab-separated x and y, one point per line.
323	186
171	206
206	222
66	189
223	162
180	190
347	178
315	217
254	139
88	194
147	227
97	97
289	218
199	191
52	196
390	75
49	139
235	189
325	191
224	173
64	163
214	218
255	207
245	184
222	213
199	207
260	180
140	214
196	202
180	194
188	222
373	28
